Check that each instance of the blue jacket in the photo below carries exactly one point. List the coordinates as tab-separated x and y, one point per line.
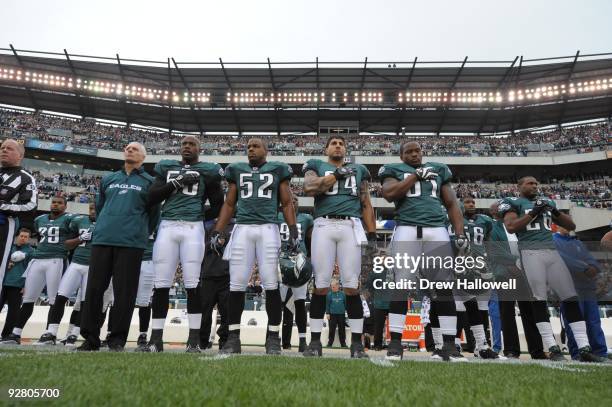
578	259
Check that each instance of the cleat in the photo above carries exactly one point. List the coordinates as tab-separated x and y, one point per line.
488	353
69	341
114	347
358	352
141	343
46	339
193	348
513	355
451	354
554	354
587	355
87	347
11	339
302	346
315	348
273	345
154	346
232	346
395	350
436	354
286	346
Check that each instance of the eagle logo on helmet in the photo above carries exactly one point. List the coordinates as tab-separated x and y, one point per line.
294	269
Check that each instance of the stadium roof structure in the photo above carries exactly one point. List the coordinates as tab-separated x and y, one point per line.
414	96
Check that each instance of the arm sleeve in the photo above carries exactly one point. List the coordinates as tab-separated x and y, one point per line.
159	191
214	194
386	172
26	197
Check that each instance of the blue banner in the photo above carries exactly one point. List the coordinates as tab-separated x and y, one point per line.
44	145
81	150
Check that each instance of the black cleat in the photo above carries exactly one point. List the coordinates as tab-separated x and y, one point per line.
395	350
273	345
302	346
11	339
554	354
512	355
69	341
587	355
154	346
315	348
46	339
193	348
141	343
115	347
488	353
87	347
357	351
286	346
451	354
436	354
232	346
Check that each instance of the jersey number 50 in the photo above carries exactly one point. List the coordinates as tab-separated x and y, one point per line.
187	189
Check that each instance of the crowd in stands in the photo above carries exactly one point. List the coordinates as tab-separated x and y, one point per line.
88	132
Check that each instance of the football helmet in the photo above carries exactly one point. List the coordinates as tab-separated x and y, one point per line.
294	268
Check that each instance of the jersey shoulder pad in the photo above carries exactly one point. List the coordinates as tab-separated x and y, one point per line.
365	173
231	172
389	171
162	167
508	205
283	170
442	170
40	218
311	165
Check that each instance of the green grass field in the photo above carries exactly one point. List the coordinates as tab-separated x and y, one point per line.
175	378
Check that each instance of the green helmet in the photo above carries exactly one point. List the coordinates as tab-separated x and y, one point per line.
294	269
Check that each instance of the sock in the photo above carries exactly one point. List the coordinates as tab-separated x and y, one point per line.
194	313
546	333
76	331
24	314
52	329
437	337
74	323
397	319
159	306
580	333
274	309
56	312
300	317
457	341
17	331
317	312
474	317
479	336
111	320
354	310
235	308
144	315
70	330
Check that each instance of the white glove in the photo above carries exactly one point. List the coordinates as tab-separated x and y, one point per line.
85	236
17	256
425	173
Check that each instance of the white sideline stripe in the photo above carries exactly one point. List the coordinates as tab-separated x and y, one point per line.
382	362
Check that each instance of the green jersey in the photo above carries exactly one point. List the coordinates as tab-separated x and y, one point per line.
52	234
258	190
14	275
422	205
538	233
344	197
304	222
82	252
188	203
478	230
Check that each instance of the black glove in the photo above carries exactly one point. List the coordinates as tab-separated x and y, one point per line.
425	173
217	242
185	179
343	172
539	207
461	245
294	238
371	237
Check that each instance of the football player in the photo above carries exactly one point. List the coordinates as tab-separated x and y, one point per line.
424	200
75	277
295	295
46	265
183	186
145	293
477	228
530	217
254	191
342	202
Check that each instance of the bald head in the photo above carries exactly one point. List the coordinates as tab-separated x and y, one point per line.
11	153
